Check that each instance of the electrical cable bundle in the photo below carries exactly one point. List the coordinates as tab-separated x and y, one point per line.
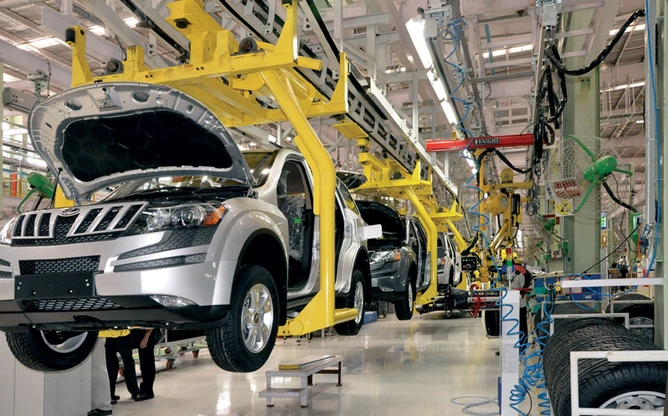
548	115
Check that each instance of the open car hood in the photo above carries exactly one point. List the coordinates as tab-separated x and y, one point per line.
376	213
107	133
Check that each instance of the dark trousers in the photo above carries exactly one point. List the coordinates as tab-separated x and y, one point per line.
146	359
123	347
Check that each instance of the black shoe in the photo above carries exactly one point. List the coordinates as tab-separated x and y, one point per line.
115	398
140	397
100	412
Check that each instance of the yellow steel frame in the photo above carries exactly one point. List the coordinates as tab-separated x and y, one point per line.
269	71
382	180
504	237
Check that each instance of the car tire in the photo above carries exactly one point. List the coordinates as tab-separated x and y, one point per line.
404	307
51	350
639	313
602	384
355	299
626	297
246	340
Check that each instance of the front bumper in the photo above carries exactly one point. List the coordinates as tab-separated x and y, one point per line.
95	313
103	284
387	281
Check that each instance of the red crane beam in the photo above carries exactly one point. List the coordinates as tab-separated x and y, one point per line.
515	140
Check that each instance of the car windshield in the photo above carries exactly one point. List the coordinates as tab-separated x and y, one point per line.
260	163
169	184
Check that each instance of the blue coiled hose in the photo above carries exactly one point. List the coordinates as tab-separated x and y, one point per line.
533	375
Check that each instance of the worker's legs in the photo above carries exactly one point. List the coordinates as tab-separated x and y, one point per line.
147	366
111	360
129	371
99	379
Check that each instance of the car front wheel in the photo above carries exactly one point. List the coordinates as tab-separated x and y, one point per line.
245	342
51	350
355	299
403	308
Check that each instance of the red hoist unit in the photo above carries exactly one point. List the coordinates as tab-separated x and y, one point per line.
515	140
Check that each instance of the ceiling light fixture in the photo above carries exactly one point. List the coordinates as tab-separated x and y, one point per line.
415	28
514	49
131	21
98	30
9	78
625	86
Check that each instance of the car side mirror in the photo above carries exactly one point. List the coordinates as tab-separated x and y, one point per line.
371	231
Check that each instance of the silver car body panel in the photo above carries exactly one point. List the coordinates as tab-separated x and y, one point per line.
205	283
352	242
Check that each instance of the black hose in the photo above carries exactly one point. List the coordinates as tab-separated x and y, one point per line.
553	53
468	249
617	200
510	165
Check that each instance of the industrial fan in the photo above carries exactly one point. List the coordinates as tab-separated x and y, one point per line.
41	193
577	168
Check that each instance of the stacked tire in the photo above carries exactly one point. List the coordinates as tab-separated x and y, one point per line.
602	384
641	313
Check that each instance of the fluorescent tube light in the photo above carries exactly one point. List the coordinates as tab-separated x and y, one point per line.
415	28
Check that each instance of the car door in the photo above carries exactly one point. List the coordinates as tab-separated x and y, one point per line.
423	254
456	260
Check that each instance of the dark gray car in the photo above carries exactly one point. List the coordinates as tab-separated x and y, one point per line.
399	260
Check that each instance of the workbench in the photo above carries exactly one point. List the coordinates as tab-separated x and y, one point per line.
303	368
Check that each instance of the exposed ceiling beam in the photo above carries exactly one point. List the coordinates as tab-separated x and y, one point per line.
50	57
27	62
16	3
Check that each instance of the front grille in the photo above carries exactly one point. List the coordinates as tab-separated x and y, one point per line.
70	265
70	240
75	225
44	225
5	275
88	220
168	262
82	304
177	239
30	226
4	263
107	219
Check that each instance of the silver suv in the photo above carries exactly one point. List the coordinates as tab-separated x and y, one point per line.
188	235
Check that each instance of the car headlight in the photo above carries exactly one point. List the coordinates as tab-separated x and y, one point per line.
7	231
385	256
179	216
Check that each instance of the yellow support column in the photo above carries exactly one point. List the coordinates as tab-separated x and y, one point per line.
432	235
324	180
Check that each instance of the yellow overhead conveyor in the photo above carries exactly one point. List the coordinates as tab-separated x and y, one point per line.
388	178
255	69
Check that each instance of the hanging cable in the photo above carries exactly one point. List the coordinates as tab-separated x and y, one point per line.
505	160
617	200
553	53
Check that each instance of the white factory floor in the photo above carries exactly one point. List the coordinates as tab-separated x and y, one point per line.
391	368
